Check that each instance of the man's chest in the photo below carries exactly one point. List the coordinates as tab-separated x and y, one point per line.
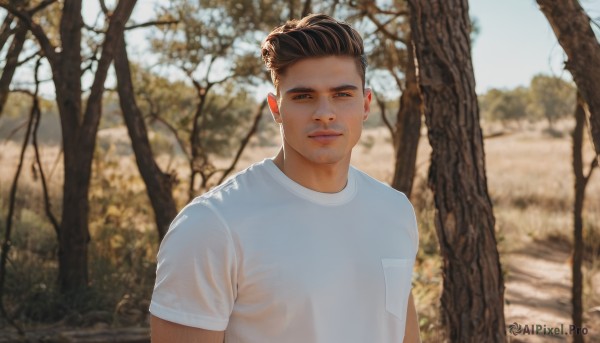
331	262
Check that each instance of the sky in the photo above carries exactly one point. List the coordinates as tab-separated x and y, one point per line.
516	42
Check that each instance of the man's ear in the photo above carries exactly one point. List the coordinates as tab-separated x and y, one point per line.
274	107
367	103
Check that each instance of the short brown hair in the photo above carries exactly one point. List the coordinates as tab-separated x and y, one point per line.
316	35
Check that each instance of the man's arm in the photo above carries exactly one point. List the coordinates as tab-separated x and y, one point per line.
163	331
411	333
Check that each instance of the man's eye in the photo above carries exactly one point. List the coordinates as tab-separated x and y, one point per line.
301	96
343	94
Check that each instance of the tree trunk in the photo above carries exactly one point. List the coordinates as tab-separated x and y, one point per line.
12	60
408	128
581	181
79	136
73	234
574	32
576	290
158	184
473	295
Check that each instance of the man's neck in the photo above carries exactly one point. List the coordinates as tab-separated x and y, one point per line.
324	178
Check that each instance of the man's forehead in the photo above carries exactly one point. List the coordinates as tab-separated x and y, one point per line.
318	76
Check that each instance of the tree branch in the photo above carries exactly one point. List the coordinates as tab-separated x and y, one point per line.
35	29
93	29
593	166
175	134
381	28
135	26
245	140
12	62
15	130
94	105
29	58
5	29
103	7
92	59
152	23
593	21
384	117
40	6
37	118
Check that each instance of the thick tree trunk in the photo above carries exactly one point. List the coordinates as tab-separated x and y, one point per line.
577	287
79	136
574	32
408	128
12	60
158	184
73	235
472	301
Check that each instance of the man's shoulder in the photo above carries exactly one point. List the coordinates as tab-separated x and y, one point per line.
371	185
241	193
226	201
238	185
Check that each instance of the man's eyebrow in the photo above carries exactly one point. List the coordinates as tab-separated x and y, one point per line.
299	90
344	88
311	90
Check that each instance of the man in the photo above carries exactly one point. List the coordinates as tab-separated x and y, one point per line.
302	247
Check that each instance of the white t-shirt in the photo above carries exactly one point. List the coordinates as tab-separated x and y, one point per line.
268	260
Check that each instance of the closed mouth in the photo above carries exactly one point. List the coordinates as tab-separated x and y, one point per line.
324	134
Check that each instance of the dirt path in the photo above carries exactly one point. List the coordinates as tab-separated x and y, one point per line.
538	292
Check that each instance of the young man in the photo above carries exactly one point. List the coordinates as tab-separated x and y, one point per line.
301	248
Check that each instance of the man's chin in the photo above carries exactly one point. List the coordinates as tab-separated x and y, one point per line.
328	159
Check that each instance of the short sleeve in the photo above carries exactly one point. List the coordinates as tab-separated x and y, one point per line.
413	229
196	271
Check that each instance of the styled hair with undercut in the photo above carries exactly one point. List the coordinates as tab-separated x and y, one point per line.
316	35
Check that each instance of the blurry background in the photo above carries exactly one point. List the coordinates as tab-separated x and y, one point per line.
185	95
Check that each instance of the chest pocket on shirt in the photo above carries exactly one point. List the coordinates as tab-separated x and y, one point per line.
398	274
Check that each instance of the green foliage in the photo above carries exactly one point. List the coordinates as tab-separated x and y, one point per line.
203	35
551	97
505	105
171	106
225	118
547	97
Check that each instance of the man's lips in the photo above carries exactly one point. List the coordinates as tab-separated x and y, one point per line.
324	136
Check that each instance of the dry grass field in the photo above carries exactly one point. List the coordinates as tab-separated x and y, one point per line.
530	182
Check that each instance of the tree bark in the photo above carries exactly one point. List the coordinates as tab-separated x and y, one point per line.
574	33
408	128
158	184
577	287
473	295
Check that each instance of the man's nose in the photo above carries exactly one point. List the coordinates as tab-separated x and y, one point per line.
324	110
